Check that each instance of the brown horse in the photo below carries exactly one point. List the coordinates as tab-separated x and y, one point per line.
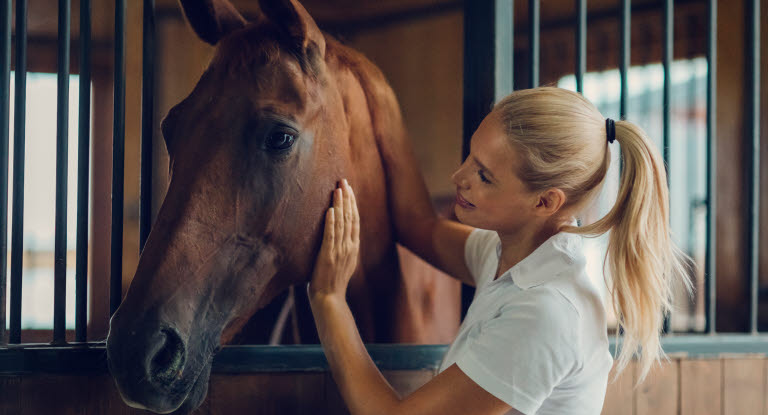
280	115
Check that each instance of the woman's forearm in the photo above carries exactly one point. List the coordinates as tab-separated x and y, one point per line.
363	387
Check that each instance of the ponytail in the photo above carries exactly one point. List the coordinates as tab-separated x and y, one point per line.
563	141
645	263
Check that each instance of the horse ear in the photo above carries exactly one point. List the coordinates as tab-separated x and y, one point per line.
212	19
292	18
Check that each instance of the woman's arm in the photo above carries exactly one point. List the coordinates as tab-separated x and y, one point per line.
366	391
361	384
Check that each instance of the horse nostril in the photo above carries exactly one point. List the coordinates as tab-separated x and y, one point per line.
166	365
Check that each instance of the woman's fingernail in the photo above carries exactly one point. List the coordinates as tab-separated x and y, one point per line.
346	183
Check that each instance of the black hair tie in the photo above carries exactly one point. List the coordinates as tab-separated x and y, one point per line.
610	129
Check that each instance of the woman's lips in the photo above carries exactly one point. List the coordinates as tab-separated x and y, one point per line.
463	202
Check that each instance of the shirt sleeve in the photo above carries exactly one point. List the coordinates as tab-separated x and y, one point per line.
523	353
480	245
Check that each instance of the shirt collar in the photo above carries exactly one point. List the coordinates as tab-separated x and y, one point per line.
557	254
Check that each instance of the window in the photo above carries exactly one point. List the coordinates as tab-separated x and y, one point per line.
39	201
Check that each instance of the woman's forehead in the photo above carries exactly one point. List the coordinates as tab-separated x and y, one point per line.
491	147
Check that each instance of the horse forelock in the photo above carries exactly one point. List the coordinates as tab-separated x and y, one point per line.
248	51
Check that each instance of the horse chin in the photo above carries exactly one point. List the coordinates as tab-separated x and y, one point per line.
197	393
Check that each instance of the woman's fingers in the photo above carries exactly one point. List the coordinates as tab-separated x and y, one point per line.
355	217
330	226
338	211
347	212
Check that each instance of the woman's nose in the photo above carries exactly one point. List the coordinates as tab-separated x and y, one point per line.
459	179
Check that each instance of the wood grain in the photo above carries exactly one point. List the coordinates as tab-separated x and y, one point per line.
743	386
658	394
701	384
9	395
619	399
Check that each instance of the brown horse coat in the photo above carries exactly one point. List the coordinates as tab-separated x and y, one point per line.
281	114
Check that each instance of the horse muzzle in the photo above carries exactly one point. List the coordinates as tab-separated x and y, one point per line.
152	368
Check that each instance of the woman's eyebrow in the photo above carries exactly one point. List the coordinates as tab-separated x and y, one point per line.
482	166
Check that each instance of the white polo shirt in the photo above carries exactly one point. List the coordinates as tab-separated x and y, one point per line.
536	337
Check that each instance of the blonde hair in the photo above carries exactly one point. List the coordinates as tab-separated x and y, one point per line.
562	140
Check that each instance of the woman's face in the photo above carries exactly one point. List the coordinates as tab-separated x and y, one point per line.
497	198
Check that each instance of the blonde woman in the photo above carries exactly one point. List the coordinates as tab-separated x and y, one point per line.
534	340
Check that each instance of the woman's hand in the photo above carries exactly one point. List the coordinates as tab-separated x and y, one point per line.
337	259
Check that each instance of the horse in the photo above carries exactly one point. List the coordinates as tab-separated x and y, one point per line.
280	115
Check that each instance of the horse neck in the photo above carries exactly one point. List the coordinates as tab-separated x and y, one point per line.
380	116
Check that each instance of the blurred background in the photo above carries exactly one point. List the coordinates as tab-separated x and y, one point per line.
419	46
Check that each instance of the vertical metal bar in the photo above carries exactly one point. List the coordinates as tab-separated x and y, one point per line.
17	220
485	46
667	87
147	122
503	49
692	170
753	121
709	272
60	226
667	57
118	154
83	161
581	44
624	62
534	14
5	81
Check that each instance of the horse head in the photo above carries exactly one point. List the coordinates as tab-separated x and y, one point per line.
278	117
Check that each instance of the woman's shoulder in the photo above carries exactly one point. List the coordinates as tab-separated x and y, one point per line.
480	250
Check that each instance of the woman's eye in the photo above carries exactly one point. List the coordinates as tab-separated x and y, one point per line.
482	177
280	140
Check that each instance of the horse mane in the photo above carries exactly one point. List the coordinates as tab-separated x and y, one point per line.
382	103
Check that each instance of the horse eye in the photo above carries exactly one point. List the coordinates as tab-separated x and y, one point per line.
280	140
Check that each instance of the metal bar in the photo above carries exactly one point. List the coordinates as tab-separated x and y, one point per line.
534	14
710	255
581	44
692	170
17	220
485	46
504	49
147	122
626	10
667	57
83	174
753	121
118	154
5	81
44	358
60	220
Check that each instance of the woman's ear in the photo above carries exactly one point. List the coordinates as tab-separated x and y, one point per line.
549	202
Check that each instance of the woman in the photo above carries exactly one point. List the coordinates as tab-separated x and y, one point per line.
534	339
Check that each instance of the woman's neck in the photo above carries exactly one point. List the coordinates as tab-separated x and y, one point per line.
515	246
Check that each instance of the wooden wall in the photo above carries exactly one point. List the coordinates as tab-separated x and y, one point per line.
719	386
727	385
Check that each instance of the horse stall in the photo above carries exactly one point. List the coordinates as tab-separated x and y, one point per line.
160	212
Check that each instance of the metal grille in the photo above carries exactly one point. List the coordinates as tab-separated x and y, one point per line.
488	72
17	221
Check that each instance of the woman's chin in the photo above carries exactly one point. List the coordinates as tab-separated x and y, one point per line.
461	214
